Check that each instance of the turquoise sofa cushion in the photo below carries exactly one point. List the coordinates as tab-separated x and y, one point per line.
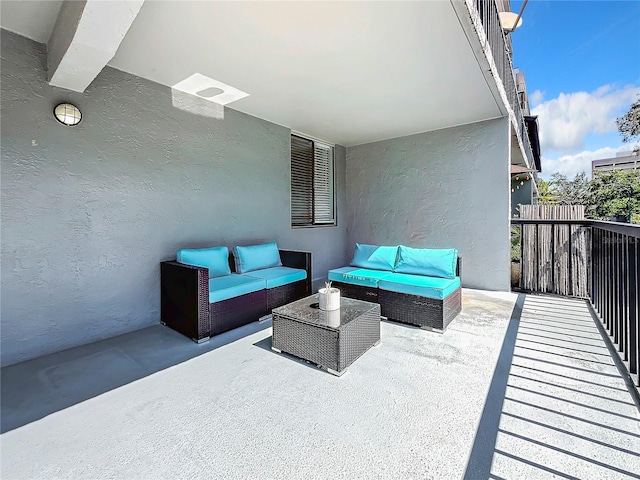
278	276
433	287
357	276
233	285
216	259
433	262
374	257
256	257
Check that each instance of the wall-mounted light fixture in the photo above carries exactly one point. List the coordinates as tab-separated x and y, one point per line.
67	114
509	21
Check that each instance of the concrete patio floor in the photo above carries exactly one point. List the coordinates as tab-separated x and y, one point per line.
518	387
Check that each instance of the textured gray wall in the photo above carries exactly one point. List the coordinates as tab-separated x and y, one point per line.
89	212
522	195
446	188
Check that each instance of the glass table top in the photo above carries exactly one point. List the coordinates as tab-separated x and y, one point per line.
306	310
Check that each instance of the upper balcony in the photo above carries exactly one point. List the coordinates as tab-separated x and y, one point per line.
508	83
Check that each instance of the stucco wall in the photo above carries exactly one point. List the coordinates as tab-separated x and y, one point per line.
89	212
522	194
446	188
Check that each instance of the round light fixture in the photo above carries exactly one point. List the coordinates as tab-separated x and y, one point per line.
67	114
508	21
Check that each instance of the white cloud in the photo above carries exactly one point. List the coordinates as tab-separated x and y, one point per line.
570	165
565	122
536	98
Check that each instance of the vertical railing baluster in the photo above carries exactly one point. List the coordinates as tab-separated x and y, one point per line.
634	286
614	289
608	274
624	305
603	312
593	289
612	294
621	284
605	278
616	293
618	304
600	272
619	298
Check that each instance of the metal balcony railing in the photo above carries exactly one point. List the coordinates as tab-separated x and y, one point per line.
500	48
590	259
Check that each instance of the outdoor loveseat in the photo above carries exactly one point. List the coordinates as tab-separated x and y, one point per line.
208	291
418	286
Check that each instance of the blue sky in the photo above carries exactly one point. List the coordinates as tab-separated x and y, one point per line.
581	61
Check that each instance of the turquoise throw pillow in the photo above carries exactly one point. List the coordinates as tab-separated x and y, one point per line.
256	257
374	257
216	259
432	262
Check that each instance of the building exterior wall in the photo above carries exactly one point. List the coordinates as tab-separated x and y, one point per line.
89	212
623	161
438	189
521	193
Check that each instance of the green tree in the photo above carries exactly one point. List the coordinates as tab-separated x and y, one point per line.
559	190
545	196
629	124
615	193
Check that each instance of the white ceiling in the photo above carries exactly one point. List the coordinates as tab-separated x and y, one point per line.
32	19
345	72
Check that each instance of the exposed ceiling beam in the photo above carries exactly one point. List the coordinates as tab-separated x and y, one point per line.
85	38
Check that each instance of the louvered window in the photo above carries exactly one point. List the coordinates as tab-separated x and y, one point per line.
312	184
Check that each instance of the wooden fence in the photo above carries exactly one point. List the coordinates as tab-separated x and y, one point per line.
554	257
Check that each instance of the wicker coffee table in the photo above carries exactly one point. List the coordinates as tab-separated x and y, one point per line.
333	340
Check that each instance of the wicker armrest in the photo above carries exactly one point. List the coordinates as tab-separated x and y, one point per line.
459	268
184	298
294	259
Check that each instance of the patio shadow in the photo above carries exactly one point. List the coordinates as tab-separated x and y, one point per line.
557	405
479	465
36	388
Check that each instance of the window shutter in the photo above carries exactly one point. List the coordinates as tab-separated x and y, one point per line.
302	163
323	184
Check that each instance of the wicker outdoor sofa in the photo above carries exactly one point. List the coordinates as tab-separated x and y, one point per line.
415	286
205	292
